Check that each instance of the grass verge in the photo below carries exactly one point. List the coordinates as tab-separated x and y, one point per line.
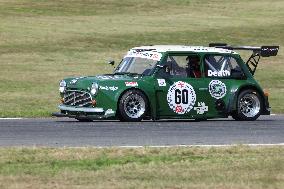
232	167
42	42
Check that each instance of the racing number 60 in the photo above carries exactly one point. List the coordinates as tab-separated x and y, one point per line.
181	96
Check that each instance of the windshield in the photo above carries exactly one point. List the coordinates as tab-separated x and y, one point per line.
136	65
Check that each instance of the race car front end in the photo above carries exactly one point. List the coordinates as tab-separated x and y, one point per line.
78	100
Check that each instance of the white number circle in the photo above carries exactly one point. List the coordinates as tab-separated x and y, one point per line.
181	97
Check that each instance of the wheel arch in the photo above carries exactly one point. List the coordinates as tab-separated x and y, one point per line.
233	104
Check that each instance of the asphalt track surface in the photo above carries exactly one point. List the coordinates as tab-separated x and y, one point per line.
64	132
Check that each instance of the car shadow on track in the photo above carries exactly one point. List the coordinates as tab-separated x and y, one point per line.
165	120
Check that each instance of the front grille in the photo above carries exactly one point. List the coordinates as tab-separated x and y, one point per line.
77	98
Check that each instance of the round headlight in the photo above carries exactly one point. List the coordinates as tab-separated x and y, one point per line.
62	86
94	88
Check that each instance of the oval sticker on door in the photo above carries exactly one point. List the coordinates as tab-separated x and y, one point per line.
217	89
181	97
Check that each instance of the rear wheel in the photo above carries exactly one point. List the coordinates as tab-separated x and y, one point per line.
132	106
249	106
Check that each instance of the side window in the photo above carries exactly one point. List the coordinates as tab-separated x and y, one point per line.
184	65
220	66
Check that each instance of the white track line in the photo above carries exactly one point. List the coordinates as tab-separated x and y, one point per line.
202	145
7	118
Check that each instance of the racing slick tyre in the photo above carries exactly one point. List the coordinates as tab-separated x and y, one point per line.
132	106
84	119
249	106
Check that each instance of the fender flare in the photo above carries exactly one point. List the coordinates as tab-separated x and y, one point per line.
232	101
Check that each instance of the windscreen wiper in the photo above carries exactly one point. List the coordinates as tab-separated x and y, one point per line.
121	73
125	73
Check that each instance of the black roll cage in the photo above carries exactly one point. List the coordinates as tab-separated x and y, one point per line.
257	52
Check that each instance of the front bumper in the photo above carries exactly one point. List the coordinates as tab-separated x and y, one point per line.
83	112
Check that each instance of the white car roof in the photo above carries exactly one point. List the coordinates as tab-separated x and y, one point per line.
183	48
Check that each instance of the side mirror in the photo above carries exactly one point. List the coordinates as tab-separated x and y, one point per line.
160	66
111	62
166	68
163	70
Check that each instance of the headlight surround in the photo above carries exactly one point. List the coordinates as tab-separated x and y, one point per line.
62	86
94	88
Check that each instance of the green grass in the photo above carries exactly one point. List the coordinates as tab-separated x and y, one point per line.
42	41
235	167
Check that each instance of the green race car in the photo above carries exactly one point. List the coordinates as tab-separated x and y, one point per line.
171	82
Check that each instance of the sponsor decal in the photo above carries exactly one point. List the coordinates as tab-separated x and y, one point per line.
181	97
107	88
223	73
131	84
145	54
162	82
217	89
74	81
201	108
109	111
104	77
233	90
117	76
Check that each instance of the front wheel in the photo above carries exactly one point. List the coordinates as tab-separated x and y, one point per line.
248	106
132	106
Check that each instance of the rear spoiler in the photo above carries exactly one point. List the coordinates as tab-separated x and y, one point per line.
257	52
264	51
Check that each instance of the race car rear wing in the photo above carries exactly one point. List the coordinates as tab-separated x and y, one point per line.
257	52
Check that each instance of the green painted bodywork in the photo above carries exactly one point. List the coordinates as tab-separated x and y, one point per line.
157	95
